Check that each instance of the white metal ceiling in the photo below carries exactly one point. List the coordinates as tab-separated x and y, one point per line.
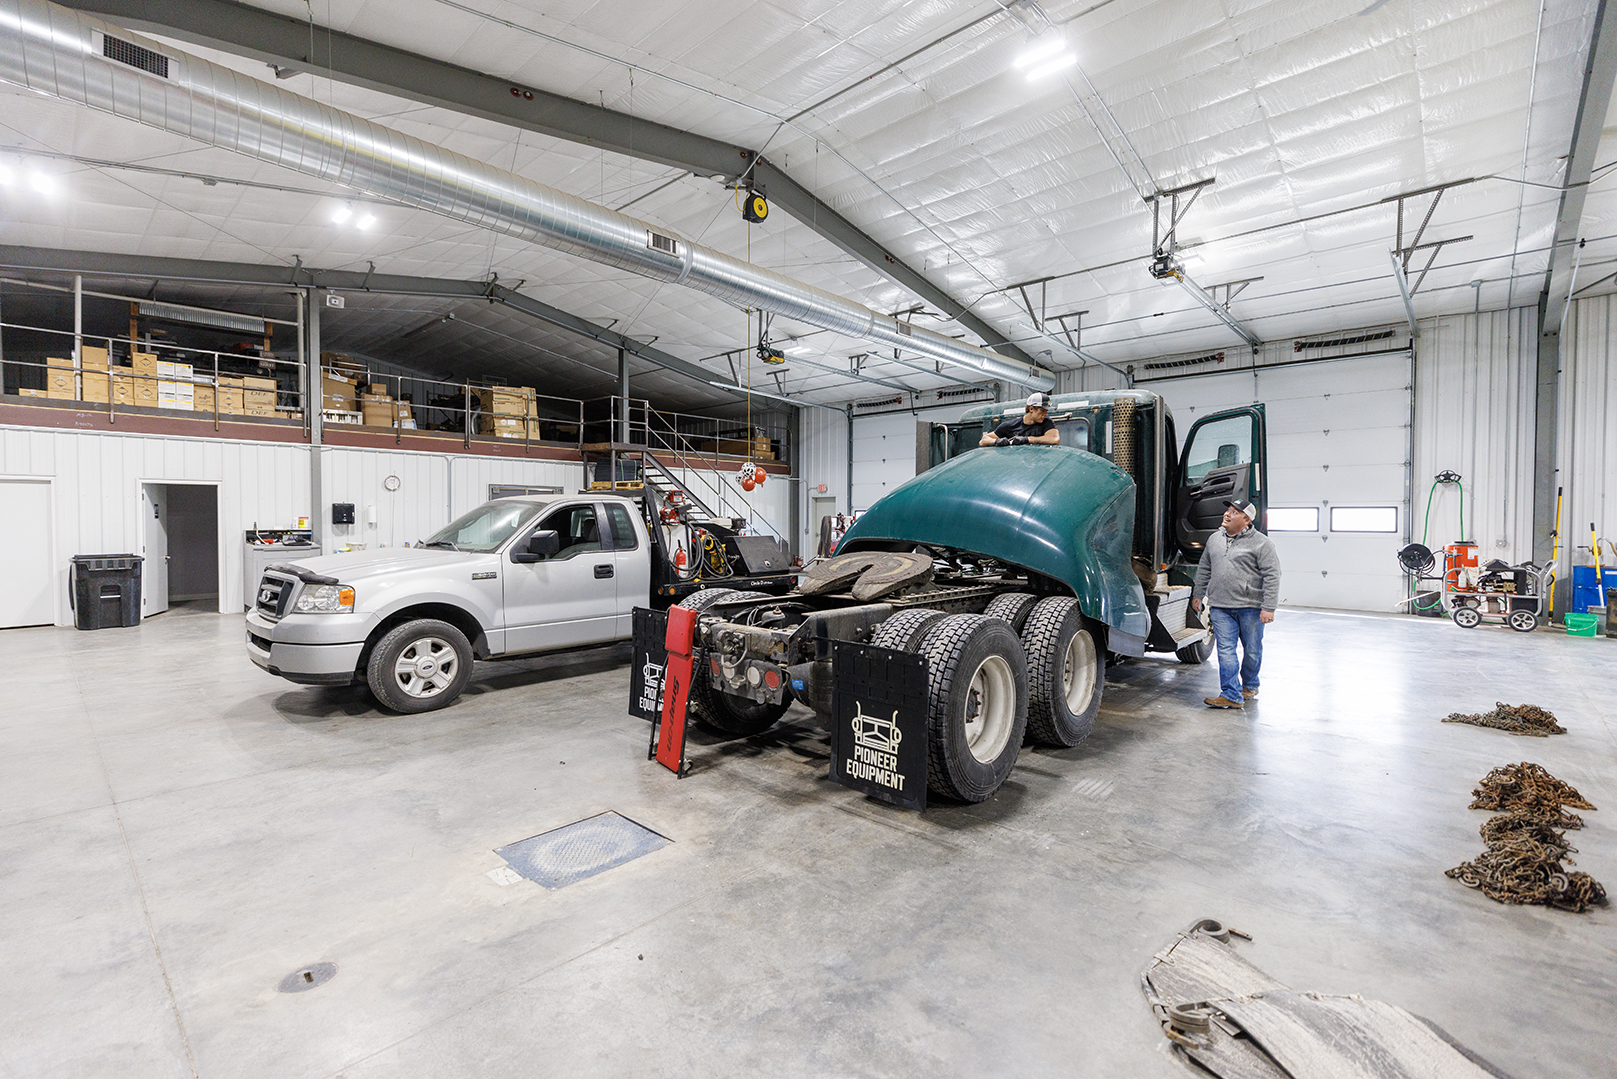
951	159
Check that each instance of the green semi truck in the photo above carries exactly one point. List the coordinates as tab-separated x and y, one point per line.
1015	571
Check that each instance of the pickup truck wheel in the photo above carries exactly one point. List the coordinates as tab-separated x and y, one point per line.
1014	607
906	629
1066	673
977	693
419	666
726	712
1196	654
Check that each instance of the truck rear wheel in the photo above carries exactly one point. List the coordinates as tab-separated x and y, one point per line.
726	712
1014	607
1196	654
906	629
419	666
977	693
1066	673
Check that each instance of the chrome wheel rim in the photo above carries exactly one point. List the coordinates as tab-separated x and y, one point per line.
990	709
1078	672
426	667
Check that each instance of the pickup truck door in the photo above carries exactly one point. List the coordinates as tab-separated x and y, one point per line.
631	552
1225	458
569	598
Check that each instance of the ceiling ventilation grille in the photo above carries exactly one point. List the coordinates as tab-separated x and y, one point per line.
658	242
906	329
132	55
881	403
950	395
1338	342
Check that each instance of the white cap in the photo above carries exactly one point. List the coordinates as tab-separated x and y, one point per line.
1039	400
1247	508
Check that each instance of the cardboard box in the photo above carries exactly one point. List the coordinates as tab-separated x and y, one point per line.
504	426
92	356
123	387
144	363
377	413
96	385
377	389
59	361
60	383
201	398
292	414
25	392
505	400
337	393
264	412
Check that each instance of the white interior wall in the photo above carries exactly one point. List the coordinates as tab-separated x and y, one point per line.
96	480
1587	453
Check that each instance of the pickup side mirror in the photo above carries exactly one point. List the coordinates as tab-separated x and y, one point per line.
538	546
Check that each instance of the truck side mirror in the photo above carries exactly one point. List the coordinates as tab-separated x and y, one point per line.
541	544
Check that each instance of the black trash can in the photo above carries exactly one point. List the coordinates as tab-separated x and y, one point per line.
104	590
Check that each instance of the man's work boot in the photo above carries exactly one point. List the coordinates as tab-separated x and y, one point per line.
1220	702
1250	694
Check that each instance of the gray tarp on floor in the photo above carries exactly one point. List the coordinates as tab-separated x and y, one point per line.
1259	1028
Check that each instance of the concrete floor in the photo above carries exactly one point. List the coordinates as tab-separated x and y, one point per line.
179	831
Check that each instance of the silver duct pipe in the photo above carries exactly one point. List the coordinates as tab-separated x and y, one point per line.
77	58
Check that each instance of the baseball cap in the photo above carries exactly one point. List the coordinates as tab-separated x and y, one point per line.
1039	400
1250	510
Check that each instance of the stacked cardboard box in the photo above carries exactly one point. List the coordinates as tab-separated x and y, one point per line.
758	448
258	397
27	392
174	388
95	382
506	411
60	383
338	392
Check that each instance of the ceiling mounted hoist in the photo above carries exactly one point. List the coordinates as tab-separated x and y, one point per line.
1166	263
754	207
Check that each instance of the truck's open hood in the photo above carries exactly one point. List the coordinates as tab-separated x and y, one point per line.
1061	512
355	566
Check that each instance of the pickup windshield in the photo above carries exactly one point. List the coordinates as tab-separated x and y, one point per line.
485	528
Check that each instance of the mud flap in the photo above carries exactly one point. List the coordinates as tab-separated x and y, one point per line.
878	722
650	660
680	642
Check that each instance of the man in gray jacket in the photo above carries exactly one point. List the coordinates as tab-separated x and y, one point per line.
1239	575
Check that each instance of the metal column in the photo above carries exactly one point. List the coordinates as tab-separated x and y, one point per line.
317	499
623	396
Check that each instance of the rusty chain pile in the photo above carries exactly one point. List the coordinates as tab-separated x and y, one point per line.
1523	862
1515	718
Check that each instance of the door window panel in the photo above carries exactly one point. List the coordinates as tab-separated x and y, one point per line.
1074	433
1293	519
577	528
1220	444
1364	518
623	534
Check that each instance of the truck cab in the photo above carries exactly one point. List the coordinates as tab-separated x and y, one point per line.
1179	490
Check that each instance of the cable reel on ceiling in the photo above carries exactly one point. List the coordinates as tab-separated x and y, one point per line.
754	207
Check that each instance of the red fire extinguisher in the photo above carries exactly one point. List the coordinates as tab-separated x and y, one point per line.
679	557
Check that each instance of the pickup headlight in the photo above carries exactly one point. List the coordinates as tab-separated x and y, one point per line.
326	599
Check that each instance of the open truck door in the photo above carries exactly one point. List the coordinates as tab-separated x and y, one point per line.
1225	459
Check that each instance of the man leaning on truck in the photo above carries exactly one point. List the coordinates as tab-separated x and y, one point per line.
1239	574
1034	427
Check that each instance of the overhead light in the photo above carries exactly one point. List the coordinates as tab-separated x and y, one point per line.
5	176
1060	63
799	350
366	222
1042	49
43	183
341	214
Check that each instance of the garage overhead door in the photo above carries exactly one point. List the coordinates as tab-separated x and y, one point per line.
1338	443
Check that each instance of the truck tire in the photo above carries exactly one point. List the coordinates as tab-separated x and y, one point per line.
906	629
1196	654
977	694
419	665
726	712
1014	607
1066	673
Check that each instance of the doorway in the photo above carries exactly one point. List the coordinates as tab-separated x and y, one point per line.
180	544
28	593
821	507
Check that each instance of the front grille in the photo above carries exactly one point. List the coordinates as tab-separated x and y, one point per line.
273	595
261	642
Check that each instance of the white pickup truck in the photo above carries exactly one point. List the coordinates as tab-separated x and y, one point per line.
516	576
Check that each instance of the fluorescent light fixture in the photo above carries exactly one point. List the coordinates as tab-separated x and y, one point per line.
366	222
341	214
798	350
5	176
43	183
1042	49
1060	63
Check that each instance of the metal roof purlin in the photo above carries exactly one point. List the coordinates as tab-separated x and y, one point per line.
280	41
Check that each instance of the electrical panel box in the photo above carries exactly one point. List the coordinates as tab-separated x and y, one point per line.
342	513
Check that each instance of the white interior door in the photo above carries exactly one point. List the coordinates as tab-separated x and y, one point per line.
26	597
154	547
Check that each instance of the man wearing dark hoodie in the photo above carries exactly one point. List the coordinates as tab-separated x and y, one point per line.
1239	575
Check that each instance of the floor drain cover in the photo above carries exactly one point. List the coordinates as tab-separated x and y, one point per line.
576	851
307	978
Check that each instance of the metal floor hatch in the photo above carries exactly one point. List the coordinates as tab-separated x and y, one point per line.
580	850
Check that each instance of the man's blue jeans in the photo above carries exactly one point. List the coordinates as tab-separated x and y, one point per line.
1230	623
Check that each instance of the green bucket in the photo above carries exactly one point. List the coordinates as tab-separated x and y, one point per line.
1581	625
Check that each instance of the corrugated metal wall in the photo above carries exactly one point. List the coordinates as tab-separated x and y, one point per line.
1474	394
96	490
1588	429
